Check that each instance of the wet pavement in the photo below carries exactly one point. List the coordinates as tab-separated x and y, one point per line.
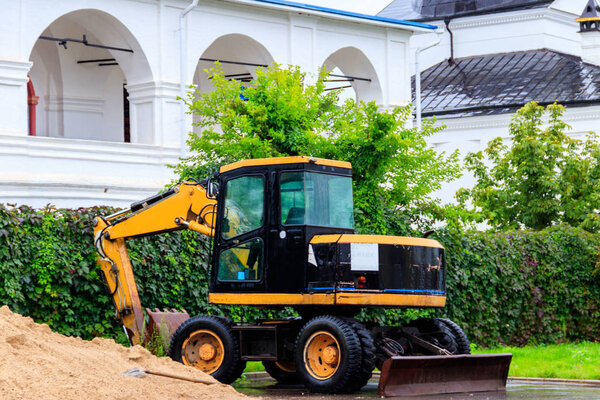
515	390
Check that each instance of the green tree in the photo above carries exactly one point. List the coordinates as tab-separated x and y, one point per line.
280	114
540	178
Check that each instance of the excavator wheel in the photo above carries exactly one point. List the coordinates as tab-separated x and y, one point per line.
207	343
282	371
435	331
368	356
328	355
463	346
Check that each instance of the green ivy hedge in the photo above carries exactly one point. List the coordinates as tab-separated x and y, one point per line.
516	288
525	287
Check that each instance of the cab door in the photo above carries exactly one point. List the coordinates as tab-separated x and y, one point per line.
240	250
287	273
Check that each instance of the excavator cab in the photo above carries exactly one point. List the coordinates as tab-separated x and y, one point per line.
283	235
269	214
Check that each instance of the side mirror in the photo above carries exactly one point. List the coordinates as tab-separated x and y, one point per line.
428	233
212	188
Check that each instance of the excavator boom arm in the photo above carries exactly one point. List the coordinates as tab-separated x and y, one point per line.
186	206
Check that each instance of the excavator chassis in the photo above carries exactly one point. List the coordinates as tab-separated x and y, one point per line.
412	375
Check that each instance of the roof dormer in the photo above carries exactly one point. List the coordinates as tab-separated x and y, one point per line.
589	29
589	20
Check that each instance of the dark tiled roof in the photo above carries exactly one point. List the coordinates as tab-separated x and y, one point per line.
440	9
500	83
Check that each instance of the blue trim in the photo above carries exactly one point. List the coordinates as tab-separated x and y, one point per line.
414	291
385	290
348	13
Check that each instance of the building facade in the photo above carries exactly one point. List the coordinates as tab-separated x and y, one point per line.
496	55
89	89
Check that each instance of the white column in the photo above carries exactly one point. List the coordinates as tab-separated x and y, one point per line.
303	36
590	47
143	125
154	114
397	90
13	92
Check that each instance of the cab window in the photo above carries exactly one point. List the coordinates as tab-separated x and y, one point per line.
309	198
242	263
244	205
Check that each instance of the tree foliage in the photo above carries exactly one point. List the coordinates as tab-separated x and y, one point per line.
540	178
281	114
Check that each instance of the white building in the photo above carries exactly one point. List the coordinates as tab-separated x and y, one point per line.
496	55
89	111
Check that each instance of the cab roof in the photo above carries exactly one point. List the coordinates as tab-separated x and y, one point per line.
284	160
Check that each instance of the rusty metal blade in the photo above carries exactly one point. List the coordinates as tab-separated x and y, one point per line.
164	323
409	376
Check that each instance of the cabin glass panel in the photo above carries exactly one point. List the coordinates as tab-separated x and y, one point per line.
309	198
244	205
242	263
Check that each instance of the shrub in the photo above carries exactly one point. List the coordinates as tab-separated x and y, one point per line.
524	287
540	178
514	288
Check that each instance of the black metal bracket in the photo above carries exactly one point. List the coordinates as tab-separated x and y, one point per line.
102	62
351	78
245	74
63	42
335	88
233	62
98	60
243	77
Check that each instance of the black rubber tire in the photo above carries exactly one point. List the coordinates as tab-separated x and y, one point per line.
231	367
463	346
368	356
434	330
280	375
350	355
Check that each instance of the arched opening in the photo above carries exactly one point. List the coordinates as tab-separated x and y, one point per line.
352	71
81	63
239	56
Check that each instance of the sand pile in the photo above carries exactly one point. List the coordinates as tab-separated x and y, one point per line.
36	363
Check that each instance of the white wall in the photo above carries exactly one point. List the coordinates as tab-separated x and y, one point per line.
472	134
78	157
551	28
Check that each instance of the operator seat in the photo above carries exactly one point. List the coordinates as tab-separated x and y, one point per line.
295	216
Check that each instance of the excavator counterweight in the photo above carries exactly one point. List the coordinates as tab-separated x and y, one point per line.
282	234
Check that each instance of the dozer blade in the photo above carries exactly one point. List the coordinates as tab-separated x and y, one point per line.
419	375
163	324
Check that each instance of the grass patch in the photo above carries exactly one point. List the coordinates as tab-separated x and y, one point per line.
254	366
567	361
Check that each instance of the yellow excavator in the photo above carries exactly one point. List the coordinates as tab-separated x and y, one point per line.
282	234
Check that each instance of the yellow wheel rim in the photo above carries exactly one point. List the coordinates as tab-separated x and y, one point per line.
287	366
322	355
203	350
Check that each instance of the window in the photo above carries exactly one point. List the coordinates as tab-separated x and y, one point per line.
244	205
242	263
309	198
